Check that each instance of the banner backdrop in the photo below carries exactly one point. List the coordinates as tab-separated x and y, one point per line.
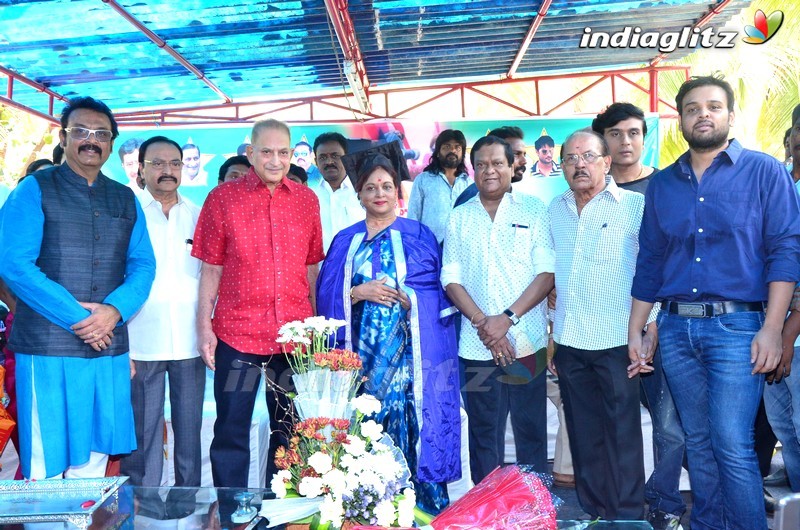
207	148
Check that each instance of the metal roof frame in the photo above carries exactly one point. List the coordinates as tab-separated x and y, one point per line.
347	23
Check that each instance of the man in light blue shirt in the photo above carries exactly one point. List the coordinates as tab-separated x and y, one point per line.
436	189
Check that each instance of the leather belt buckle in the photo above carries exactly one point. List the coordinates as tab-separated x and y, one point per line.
692	310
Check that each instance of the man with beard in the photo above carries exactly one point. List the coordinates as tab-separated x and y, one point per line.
302	157
545	166
338	201
436	189
719	248
516	139
163	339
75	251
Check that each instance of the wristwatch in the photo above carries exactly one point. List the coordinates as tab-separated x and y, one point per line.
512	316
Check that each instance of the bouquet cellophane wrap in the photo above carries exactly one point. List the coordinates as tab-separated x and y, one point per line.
509	498
323	394
7	423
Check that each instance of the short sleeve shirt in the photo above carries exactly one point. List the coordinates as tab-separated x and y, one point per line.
264	242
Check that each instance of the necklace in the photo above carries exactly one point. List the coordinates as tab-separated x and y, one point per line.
641	171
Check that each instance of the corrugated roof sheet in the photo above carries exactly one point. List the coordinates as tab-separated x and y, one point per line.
277	49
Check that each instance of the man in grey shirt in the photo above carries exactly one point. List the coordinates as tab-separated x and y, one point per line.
436	189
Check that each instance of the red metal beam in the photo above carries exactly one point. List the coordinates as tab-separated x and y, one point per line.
702	21
8	100
161	43
526	42
499	100
11	103
245	112
578	93
346	34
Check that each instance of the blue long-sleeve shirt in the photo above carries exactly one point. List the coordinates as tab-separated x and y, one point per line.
723	238
21	231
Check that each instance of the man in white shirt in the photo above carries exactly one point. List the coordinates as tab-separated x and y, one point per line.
162	334
338	202
595	233
497	269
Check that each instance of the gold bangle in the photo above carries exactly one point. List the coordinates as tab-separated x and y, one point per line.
353	298
472	320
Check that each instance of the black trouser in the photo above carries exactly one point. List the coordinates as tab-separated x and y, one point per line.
235	389
605	431
492	392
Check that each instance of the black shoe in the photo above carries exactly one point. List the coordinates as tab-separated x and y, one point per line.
777	479
769	502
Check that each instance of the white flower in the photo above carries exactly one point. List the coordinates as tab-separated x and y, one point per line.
331	510
335	480
355	445
372	430
316	324
321	462
278	483
384	513
366	404
310	487
405	508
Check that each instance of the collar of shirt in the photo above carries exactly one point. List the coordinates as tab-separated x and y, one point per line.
68	174
611	188
346	184
731	153
146	199
460	176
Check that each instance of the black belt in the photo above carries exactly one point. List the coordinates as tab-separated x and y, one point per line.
710	309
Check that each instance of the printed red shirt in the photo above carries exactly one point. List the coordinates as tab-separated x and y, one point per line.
264	242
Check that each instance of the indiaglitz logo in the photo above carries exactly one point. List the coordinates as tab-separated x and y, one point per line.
763	28
663	41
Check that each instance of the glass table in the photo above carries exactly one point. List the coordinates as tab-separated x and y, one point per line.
210	509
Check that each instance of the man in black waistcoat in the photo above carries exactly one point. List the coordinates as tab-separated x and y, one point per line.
75	250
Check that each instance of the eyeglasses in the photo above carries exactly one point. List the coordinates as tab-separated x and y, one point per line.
81	133
333	157
160	164
589	158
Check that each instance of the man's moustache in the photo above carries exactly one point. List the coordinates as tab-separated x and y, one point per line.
162	178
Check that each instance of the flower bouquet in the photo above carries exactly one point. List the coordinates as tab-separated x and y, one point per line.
340	467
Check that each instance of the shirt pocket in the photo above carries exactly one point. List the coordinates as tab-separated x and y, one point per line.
732	209
521	241
604	244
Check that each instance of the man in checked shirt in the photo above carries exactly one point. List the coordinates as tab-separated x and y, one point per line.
594	229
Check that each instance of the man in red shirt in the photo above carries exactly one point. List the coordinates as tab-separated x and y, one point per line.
260	240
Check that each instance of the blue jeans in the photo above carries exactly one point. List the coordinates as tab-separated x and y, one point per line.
662	491
782	401
707	364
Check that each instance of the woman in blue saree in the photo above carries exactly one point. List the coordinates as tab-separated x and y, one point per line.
381	276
